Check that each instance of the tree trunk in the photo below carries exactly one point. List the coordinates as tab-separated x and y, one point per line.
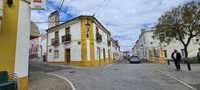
186	57
186	51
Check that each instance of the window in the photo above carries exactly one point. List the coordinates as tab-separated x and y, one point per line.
165	53
153	37
162	36
67	36
67	31
87	35
55	41
197	40
50	50
56	34
97	30
99	53
79	43
56	54
182	52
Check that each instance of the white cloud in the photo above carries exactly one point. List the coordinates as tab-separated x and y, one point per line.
124	18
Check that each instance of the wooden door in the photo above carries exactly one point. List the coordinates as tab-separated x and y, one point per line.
67	56
104	55
109	56
99	54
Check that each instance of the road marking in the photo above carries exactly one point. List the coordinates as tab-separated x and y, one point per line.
180	81
64	78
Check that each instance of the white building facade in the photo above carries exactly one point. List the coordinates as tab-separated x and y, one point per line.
82	41
14	39
117	54
149	48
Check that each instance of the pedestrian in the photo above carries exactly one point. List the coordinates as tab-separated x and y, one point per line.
176	56
198	55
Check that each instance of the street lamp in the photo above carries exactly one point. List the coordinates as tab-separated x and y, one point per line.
88	26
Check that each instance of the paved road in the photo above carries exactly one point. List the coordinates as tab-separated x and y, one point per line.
39	79
121	77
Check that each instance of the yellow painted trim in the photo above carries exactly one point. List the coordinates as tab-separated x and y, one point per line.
76	63
162	58
92	53
23	83
79	63
8	36
83	41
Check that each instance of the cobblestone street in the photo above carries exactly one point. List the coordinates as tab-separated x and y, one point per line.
40	79
111	77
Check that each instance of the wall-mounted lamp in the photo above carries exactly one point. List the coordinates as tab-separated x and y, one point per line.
10	3
88	27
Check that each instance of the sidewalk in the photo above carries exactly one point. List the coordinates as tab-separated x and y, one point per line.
40	79
43	81
190	77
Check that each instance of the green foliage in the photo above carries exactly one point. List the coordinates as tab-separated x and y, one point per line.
181	23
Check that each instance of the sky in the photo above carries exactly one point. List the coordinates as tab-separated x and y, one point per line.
123	18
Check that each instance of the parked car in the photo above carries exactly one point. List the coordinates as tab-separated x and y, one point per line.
134	59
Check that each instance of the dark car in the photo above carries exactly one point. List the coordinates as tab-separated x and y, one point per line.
134	59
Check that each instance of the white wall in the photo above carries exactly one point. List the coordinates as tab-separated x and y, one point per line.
43	43
74	46
23	34
192	48
102	44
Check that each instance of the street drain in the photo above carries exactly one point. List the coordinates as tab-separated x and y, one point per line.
72	72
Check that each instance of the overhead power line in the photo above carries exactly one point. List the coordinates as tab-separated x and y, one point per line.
62	2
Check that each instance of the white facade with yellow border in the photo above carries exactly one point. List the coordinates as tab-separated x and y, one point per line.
75	42
14	40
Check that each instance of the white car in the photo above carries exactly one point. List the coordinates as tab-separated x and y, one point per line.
134	59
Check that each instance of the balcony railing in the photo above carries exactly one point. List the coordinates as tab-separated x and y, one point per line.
66	38
98	37
55	42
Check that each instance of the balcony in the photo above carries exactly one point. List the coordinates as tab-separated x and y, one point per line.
66	39
98	37
55	42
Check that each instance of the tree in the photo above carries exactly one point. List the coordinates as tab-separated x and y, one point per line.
181	23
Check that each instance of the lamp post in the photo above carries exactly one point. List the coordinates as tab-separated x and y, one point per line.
88	27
